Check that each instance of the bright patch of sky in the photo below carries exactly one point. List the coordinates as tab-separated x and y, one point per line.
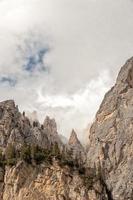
60	57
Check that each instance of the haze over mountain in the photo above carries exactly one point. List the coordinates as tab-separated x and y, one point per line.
60	57
35	164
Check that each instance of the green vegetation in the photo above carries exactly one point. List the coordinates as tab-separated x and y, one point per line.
55	151
35	124
10	155
67	158
33	154
25	153
30	154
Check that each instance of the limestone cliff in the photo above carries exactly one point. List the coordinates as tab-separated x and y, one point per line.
76	147
111	136
27	182
36	165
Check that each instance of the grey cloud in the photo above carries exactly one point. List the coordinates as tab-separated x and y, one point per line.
82	42
8	81
35	62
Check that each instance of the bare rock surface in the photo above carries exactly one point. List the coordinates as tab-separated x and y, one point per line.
24	182
106	173
75	145
111	136
17	129
62	178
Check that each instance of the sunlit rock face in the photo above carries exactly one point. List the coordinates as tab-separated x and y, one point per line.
50	128
16	128
111	136
104	172
73	140
48	180
25	182
77	149
9	117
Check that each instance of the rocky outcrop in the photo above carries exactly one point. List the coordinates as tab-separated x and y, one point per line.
25	182
35	164
9	116
111	136
78	151
50	128
47	169
73	140
17	129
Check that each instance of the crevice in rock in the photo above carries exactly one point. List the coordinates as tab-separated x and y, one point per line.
124	90
108	192
3	187
103	183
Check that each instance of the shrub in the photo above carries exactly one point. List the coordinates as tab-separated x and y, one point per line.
37	154
10	155
55	151
25	153
24	113
35	124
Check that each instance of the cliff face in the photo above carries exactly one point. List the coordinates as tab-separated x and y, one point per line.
25	182
17	129
36	165
76	147
111	136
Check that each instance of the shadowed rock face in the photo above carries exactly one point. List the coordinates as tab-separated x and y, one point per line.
25	182
111	136
73	140
9	117
77	148
50	128
16	128
110	152
48	180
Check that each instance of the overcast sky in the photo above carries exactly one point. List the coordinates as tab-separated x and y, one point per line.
59	57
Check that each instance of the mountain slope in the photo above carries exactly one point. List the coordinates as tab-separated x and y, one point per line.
36	165
111	136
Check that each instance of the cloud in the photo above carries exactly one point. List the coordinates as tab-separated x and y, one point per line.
35	62
60	57
77	109
8	81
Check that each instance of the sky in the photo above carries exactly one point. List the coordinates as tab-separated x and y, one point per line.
59	57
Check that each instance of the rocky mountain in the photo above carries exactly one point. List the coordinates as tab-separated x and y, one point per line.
111	136
17	129
43	182
76	147
36	165
73	140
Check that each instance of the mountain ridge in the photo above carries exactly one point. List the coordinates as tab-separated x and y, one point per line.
36	165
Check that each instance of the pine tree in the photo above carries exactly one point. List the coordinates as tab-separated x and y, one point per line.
25	153
56	151
10	155
37	154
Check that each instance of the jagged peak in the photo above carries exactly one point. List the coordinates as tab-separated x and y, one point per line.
50	124
73	140
8	103
8	110
48	121
126	73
